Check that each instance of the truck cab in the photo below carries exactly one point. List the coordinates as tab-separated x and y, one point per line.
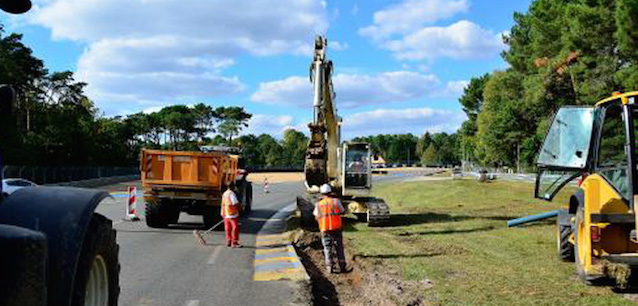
597	144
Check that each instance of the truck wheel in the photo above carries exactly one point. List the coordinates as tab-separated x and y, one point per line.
211	216
565	248
155	216
249	197
172	215
97	278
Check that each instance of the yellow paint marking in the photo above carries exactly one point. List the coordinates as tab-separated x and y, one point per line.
291	274
271	242
272	250
282	235
276	259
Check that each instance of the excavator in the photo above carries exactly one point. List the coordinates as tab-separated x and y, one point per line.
345	166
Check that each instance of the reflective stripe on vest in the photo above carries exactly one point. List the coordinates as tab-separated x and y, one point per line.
329	214
229	210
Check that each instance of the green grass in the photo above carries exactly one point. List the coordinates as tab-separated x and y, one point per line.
454	233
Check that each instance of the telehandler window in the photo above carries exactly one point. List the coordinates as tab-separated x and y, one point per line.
564	153
612	158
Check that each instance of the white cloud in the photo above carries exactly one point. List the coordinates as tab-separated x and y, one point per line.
353	90
161	50
273	125
461	40
400	121
411	15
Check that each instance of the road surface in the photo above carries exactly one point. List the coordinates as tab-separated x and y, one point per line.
166	267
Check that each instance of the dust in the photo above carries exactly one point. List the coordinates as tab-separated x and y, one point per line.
276	177
367	284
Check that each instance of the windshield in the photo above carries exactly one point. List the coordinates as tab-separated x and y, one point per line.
567	142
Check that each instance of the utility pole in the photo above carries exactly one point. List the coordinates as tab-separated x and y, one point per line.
518	158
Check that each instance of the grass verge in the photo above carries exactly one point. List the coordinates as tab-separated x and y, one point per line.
453	234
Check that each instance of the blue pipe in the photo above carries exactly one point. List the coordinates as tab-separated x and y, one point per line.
532	218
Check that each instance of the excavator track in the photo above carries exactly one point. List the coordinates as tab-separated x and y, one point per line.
378	213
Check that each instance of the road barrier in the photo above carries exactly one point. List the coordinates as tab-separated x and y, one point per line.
131	205
54	174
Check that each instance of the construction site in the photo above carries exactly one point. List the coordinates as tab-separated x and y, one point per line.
436	153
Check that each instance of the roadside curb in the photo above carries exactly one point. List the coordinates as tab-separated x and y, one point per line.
275	256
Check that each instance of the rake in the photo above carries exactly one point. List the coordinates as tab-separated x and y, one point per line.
199	235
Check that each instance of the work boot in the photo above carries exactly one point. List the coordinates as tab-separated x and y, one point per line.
237	245
228	244
345	269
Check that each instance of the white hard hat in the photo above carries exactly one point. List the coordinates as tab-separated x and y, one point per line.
325	189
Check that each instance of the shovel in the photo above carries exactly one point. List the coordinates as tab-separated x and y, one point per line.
199	235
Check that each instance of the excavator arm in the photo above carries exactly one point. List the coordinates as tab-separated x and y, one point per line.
321	164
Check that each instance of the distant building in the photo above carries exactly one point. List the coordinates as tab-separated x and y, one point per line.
378	161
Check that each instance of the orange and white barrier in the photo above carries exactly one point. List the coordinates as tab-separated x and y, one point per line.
131	204
266	185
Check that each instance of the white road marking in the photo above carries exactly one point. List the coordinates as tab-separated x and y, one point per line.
192	303
214	254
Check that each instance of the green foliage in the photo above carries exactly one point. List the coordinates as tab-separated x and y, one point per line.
231	120
407	148
560	53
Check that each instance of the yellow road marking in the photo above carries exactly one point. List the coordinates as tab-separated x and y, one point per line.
275	259
275	250
270	242
290	273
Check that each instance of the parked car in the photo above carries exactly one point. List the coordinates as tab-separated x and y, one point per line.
10	185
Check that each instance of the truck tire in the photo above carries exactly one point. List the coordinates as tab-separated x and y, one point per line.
155	215
565	247
249	197
98	269
211	216
172	215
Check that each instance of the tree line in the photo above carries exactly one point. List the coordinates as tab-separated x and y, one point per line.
560	53
432	149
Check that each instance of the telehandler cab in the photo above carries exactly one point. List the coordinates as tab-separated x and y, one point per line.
597	144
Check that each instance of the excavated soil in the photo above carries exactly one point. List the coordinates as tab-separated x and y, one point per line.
364	285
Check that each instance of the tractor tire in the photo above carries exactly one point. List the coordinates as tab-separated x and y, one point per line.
592	280
249	197
98	269
155	215
172	215
361	217
565	247
211	216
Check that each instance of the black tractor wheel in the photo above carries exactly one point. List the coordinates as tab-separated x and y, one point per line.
565	247
155	215
211	216
98	269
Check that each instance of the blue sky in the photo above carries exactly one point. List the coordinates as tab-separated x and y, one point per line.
400	66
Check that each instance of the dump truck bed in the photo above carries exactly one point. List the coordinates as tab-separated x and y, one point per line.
187	170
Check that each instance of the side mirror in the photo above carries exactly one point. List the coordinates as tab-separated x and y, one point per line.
15	6
7	99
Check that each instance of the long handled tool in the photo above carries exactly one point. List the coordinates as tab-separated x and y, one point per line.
199	235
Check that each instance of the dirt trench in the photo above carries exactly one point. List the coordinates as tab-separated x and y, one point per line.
367	284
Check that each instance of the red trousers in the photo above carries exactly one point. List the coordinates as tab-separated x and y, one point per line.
232	230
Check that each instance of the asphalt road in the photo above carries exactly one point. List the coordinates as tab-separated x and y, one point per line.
166	267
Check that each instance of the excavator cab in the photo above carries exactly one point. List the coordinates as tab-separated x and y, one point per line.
597	229
357	170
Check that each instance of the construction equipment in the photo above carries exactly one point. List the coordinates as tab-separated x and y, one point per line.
597	144
193	182
346	167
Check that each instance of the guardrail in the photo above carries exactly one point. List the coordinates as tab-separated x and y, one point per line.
61	174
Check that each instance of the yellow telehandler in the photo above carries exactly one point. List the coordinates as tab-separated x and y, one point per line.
596	144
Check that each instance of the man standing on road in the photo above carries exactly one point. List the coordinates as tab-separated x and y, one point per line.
230	213
328	213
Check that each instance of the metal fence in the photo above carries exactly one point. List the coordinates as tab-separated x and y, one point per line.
52	175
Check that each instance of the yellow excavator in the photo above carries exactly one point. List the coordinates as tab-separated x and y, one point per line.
346	167
598	145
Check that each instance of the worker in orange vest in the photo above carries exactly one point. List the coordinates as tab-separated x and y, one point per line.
328	213
230	213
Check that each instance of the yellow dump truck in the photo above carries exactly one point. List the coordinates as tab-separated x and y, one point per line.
191	182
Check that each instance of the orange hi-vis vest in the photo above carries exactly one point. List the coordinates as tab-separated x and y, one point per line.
228	208
329	214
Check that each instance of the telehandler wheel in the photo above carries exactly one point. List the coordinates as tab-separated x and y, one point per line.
565	247
98	269
155	215
582	248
